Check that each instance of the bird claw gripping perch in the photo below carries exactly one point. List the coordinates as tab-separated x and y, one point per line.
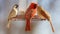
12	14
44	15
30	12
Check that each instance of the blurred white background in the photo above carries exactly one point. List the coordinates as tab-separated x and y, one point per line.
39	27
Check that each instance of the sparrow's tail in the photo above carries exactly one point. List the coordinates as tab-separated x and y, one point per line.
9	24
51	25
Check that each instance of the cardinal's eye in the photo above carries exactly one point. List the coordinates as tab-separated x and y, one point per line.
35	6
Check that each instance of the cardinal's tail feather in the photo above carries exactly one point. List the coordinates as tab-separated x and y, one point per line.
27	25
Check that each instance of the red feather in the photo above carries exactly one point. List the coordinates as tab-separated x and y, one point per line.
29	14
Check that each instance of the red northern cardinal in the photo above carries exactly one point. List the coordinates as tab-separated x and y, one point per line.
30	13
44	15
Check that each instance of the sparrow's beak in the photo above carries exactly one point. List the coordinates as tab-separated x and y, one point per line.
16	6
